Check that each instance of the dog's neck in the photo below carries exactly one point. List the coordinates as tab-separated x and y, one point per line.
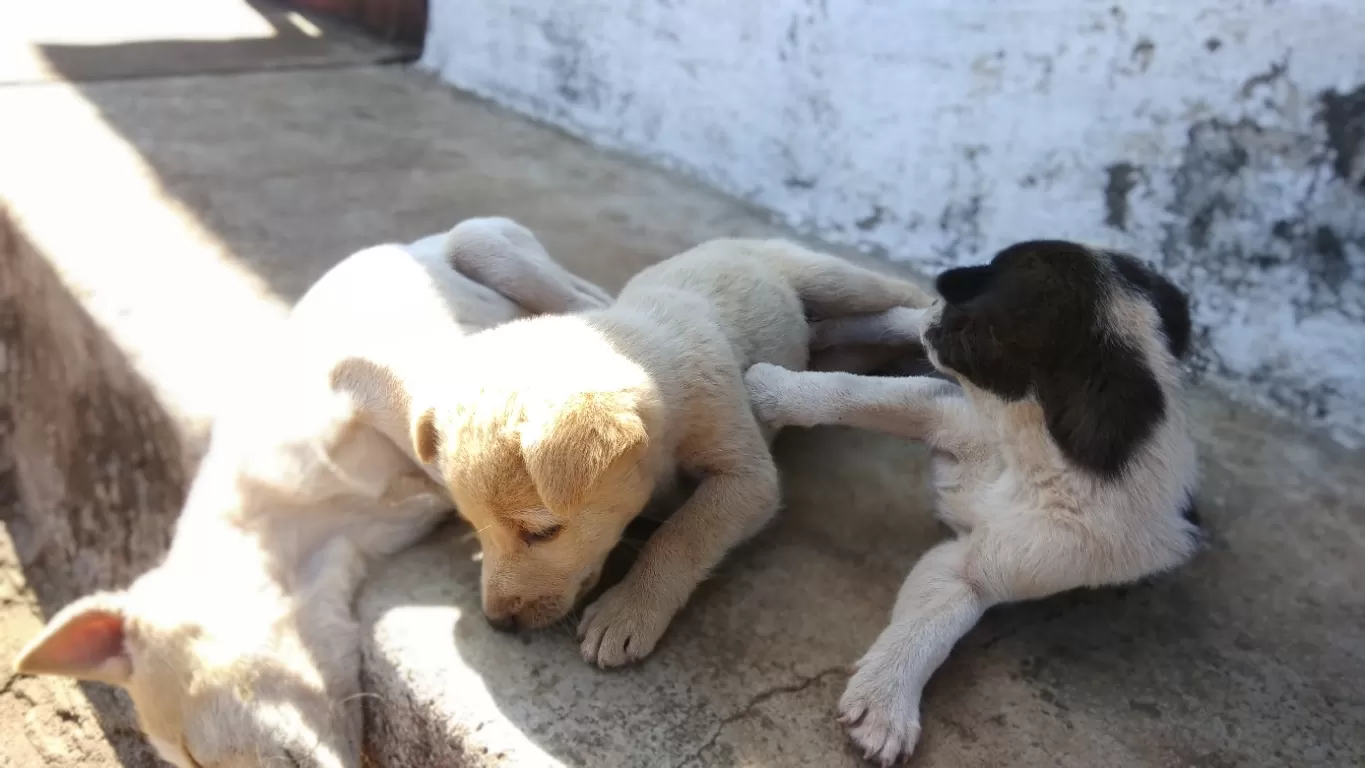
1019	426
255	575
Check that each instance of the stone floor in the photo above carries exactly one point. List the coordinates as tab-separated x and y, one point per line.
170	186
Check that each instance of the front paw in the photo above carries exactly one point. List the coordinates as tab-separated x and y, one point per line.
880	712
765	384
622	626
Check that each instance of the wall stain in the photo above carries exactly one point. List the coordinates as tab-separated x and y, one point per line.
1143	53
1269	77
576	80
1229	180
871	220
1329	257
1122	179
1343	117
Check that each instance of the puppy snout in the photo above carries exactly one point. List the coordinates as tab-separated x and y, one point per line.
501	613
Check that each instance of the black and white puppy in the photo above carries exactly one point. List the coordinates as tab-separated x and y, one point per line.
1062	460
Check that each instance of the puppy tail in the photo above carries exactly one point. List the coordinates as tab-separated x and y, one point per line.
503	255
830	286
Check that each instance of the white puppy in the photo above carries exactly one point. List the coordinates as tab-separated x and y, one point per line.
241	649
1062	461
578	418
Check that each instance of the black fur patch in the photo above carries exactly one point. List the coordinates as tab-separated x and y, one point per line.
1190	512
957	286
1033	321
1172	306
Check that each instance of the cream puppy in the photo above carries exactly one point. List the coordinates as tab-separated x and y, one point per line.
576	419
1063	460
241	649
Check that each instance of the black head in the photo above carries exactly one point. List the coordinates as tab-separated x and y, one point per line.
1039	320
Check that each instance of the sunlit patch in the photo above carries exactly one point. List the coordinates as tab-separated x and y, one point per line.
176	338
302	24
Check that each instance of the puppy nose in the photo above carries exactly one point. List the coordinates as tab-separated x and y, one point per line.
506	623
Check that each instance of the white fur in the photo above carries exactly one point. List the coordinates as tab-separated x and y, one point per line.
241	648
579	417
1029	524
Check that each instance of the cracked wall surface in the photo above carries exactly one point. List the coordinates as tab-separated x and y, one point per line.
1223	140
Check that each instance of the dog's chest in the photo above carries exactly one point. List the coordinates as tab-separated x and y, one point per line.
968	489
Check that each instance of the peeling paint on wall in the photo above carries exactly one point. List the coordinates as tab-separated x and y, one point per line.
1223	140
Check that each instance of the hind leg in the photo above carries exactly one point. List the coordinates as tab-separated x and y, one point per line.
506	257
898	326
832	287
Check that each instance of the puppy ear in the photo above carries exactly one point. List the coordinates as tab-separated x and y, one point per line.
84	641
567	453
426	438
1171	304
1173	308
960	285
1101	407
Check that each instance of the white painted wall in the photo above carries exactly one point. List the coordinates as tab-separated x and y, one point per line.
1223	140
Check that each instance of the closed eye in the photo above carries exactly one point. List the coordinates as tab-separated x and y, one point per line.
541	535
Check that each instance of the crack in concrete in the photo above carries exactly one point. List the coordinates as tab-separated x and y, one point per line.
749	708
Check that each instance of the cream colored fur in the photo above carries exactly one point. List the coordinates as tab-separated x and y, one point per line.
577	418
1028	523
241	648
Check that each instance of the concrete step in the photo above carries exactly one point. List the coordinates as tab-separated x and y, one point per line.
189	212
84	41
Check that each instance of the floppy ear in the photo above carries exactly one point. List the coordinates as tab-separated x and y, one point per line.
426	438
1171	304
566	453
1101	406
83	641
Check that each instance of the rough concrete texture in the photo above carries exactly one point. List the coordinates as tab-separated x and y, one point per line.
1223	140
157	227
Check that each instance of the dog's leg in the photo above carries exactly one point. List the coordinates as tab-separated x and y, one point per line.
936	606
831	287
506	257
946	593
913	407
895	326
737	496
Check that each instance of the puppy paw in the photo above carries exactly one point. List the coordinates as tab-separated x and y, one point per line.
621	627
880	713
765	384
